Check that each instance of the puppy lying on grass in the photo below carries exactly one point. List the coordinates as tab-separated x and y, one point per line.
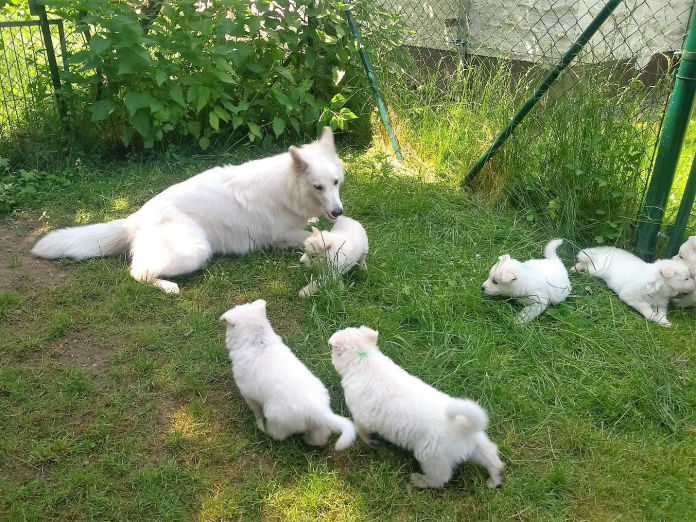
687	255
276	385
647	287
383	398
337	251
536	283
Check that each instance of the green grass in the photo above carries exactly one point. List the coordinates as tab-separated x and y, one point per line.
117	401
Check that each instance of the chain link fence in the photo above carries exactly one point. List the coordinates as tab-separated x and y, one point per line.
582	157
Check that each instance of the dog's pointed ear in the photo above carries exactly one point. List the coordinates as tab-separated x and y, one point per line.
369	334
260	304
226	318
504	257
667	271
508	276
315	231
297	160
327	138
304	259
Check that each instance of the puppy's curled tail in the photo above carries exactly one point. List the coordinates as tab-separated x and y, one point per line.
347	430
551	247
101	239
466	415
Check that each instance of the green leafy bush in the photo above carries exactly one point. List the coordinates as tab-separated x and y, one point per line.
255	71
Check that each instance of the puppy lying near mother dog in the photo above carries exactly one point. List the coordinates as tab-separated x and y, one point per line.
225	210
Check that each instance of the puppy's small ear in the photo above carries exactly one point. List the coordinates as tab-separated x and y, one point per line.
504	257
297	159
369	334
259	303
226	318
304	259
667	271
508	276
315	231
327	138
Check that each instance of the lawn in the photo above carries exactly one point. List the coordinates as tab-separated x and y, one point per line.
117	401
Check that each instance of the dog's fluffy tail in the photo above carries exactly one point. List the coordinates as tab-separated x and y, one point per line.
346	428
551	247
101	239
466	415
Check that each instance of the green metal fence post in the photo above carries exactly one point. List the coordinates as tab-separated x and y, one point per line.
40	11
687	203
674	130
543	87
381	106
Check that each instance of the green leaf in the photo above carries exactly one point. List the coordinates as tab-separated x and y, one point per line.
278	126
177	95
204	142
203	97
254	129
256	67
160	76
237	121
347	114
194	128
222	113
102	109
224	76
127	136
280	96
337	101
337	75
135	101
99	45
214	121
141	122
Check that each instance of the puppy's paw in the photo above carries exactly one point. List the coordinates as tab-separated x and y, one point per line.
665	323
419	481
496	480
169	287
259	424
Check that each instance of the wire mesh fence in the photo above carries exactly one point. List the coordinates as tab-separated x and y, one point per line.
26	89
583	156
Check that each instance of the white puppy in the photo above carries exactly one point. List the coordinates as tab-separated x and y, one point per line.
225	210
647	287
276	385
383	398
536	283
687	254
339	250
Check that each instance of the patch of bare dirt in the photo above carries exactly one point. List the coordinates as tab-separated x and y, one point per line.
19	270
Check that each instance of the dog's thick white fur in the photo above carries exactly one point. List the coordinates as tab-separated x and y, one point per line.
647	287
383	398
687	255
536	283
339	250
224	210
276	385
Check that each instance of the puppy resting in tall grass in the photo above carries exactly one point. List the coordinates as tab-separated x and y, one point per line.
647	287
339	250
536	283
383	398
687	255
276	385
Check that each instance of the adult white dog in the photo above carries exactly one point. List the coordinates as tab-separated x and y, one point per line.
687	255
383	398
647	287
224	210
338	250
276	385
536	283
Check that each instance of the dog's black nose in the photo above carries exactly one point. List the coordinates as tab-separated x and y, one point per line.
335	212
483	288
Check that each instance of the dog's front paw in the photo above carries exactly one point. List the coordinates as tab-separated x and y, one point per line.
664	323
419	481
259	424
168	286
496	480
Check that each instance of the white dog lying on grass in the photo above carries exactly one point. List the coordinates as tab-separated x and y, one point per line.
687	255
647	287
276	385
383	398
536	283
338	251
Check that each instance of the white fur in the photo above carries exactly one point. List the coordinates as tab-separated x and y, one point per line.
647	287
224	210
341	249
383	398
687	254
276	385
536	283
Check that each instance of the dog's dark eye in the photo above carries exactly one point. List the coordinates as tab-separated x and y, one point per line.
319	187
335	182
495	281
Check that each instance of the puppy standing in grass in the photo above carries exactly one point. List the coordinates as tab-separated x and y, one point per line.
647	287
276	385
339	250
383	398
687	255
536	283
225	210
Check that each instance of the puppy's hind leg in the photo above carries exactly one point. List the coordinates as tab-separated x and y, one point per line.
647	311
486	454
436	473
533	310
258	413
318	436
168	249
